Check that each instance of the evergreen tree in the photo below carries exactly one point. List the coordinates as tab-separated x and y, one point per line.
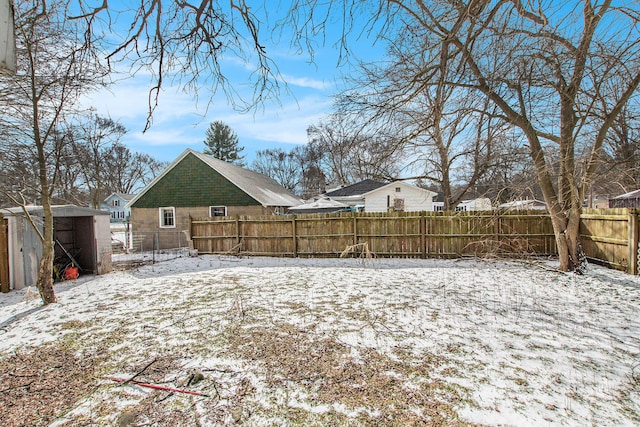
222	143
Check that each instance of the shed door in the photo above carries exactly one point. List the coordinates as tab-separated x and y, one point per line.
4	255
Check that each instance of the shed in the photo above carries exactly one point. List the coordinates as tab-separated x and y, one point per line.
627	200
79	232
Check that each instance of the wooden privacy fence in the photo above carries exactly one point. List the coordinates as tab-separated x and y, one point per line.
393	234
610	236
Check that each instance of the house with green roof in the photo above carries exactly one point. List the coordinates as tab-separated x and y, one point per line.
196	185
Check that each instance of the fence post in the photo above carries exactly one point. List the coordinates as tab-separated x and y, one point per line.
355	228
294	236
156	243
423	235
634	250
238	232
4	255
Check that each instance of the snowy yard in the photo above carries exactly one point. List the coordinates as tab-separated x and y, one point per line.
327	342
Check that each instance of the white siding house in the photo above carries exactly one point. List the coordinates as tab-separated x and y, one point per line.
479	204
398	196
115	204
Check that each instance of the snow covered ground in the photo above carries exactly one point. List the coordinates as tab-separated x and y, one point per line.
338	341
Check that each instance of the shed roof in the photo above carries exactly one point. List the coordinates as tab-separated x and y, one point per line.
357	189
523	204
631	195
262	188
57	210
323	203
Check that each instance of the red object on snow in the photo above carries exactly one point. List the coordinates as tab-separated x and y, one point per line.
158	387
71	273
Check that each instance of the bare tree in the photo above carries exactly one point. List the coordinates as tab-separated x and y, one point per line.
450	136
185	42
548	70
285	167
620	156
127	172
349	152
93	138
54	69
560	73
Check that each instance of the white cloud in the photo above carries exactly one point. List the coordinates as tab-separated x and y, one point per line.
305	82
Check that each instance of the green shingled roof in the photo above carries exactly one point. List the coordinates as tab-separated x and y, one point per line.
195	179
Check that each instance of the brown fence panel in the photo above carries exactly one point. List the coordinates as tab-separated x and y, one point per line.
267	235
211	235
607	236
324	235
4	256
394	234
527	232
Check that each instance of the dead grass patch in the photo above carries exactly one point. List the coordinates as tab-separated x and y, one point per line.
39	386
378	388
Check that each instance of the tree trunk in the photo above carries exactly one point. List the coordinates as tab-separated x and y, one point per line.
45	275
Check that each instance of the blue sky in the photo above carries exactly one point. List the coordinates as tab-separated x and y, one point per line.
180	121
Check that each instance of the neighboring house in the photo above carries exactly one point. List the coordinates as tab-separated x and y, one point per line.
597	201
79	233
627	200
479	204
529	204
115	205
196	185
398	196
353	195
319	205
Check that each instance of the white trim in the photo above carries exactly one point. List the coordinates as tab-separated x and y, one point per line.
161	211
217	207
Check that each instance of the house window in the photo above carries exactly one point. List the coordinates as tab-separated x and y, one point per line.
398	204
168	217
116	203
397	189
217	211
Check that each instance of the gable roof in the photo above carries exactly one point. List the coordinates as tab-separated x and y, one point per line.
357	189
123	196
404	184
262	188
56	210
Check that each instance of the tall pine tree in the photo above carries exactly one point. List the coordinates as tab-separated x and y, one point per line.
222	143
